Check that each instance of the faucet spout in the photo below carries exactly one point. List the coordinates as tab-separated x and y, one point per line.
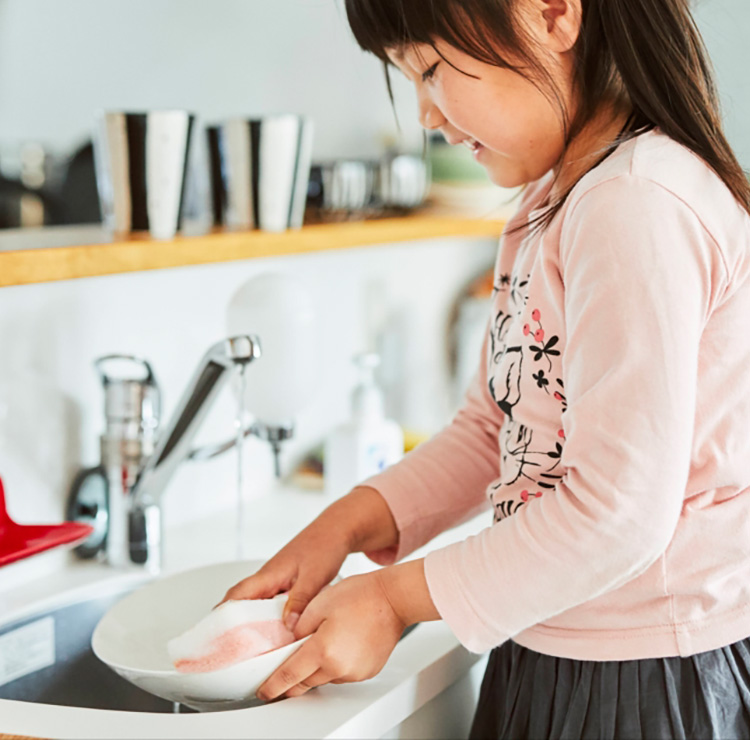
175	442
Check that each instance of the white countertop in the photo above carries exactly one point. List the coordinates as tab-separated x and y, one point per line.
423	664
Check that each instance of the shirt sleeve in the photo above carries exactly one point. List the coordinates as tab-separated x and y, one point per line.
640	276
441	483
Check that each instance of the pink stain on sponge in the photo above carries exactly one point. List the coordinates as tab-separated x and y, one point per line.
231	633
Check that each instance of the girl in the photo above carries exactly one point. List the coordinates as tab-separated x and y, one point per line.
607	424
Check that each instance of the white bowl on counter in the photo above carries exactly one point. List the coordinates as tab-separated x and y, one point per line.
131	638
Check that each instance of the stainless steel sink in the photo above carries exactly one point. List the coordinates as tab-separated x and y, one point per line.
76	678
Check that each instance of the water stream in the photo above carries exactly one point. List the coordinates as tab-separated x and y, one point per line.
240	438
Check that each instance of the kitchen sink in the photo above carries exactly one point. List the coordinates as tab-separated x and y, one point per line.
50	653
76	678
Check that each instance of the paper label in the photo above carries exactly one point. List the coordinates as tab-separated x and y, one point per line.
27	649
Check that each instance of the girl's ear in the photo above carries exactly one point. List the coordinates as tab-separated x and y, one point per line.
556	23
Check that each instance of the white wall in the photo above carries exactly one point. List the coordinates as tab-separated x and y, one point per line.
725	26
62	59
51	334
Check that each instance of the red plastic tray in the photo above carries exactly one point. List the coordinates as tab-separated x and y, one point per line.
22	540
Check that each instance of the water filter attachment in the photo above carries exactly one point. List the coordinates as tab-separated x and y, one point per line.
367	398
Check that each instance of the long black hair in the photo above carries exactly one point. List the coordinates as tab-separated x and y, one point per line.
646	54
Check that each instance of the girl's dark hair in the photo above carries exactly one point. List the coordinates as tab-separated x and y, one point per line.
645	55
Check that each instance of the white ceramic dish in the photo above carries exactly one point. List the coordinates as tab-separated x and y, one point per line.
131	638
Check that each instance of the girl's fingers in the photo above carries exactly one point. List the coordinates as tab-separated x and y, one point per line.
260	585
309	615
319	678
300	595
298	668
247	588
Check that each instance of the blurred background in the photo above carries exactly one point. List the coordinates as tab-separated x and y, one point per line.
61	60
422	305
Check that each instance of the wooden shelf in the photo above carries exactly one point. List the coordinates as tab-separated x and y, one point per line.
63	253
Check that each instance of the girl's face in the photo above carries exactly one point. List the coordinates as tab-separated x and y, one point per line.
517	129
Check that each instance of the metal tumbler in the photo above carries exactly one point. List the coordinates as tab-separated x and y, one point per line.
260	168
341	185
403	181
141	169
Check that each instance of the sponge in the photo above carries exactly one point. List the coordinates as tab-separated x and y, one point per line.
231	633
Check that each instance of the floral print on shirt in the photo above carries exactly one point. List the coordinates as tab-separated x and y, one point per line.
522	357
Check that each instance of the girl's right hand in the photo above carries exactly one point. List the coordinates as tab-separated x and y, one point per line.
361	521
303	567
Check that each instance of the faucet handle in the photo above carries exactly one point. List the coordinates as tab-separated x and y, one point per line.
274	435
132	399
124	359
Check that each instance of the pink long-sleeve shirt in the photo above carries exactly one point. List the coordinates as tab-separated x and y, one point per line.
607	427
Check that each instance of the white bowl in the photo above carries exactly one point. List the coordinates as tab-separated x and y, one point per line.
131	638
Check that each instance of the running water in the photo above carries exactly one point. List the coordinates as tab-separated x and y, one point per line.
240	429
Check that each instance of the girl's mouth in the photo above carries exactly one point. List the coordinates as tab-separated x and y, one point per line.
474	145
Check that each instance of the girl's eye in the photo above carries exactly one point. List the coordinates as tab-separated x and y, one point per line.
427	75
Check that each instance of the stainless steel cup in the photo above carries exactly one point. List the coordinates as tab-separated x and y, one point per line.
141	169
341	185
403	182
260	168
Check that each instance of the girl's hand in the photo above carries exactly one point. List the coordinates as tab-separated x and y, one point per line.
303	567
361	520
355	631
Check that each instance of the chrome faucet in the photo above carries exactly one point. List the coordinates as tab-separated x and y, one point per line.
138	462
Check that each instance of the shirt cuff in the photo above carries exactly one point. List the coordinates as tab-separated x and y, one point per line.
477	632
404	514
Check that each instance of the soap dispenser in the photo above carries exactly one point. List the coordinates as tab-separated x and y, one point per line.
366	444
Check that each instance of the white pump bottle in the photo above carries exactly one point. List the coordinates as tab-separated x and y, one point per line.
368	443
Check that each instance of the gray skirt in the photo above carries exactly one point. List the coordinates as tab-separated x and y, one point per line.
529	696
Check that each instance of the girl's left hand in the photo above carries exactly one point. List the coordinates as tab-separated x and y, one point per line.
355	631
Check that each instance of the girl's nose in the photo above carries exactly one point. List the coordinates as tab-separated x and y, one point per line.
430	116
